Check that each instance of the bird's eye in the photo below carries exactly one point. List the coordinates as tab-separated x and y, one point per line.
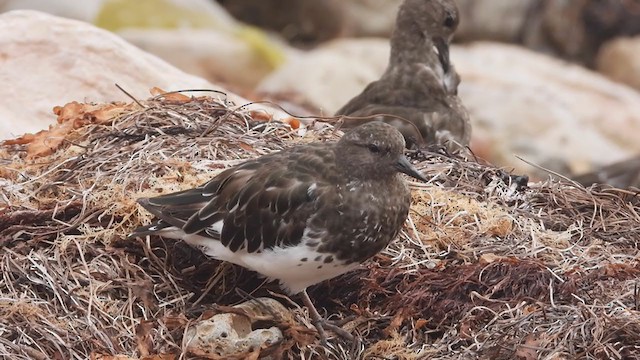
374	148
449	21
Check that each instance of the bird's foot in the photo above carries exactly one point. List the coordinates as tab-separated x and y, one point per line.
328	325
322	324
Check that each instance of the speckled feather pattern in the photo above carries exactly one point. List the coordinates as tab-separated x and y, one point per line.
340	203
418	92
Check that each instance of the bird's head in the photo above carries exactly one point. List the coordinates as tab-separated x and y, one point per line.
435	21
374	150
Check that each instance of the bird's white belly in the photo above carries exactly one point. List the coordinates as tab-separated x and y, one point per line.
283	264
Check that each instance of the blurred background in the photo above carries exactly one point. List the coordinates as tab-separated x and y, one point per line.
555	82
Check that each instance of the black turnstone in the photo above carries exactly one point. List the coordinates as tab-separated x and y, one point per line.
418	91
300	216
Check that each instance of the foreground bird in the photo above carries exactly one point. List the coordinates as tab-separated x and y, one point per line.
300	216
418	91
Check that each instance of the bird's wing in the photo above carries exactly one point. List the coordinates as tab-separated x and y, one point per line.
423	120
262	203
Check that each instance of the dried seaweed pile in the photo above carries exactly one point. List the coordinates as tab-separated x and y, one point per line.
485	267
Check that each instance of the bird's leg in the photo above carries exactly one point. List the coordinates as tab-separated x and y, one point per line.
315	317
320	323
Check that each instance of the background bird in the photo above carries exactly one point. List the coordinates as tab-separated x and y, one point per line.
418	91
300	216
621	174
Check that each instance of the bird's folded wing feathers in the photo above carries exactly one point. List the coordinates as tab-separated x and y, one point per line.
246	207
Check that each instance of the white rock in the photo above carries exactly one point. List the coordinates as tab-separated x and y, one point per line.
331	74
219	56
547	111
544	110
48	61
232	334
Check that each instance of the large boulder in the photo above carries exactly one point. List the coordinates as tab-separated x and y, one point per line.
331	74
48	61
556	114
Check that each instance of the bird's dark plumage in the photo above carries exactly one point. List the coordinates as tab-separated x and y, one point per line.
418	91
302	215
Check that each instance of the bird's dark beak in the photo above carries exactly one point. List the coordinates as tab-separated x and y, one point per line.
443	52
403	165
